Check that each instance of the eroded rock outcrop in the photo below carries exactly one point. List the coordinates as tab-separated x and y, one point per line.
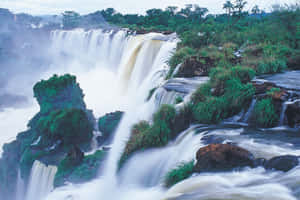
222	157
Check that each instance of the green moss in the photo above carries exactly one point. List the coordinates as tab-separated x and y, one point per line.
265	114
83	172
183	171
72	126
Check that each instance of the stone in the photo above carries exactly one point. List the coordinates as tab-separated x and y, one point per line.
282	163
293	113
222	157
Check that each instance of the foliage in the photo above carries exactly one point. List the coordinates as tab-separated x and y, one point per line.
179	57
83	172
183	171
178	100
224	96
151	92
271	66
109	123
145	136
53	85
265	114
71	126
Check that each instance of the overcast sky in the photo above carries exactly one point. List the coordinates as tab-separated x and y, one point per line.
124	6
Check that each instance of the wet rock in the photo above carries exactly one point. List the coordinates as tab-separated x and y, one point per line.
261	87
293	113
213	139
222	157
282	163
195	66
259	162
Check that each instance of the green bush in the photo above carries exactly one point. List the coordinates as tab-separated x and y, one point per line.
144	136
83	172
271	66
53	85
72	126
265	114
109	123
178	174
202	93
179	56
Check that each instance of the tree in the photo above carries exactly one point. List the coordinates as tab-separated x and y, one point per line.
71	19
239	7
228	6
255	10
172	10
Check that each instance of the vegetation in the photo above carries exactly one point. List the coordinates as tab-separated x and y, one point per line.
82	172
109	123
58	92
183	171
265	114
145	136
71	126
224	96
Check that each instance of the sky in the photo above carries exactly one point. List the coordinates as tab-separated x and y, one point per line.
38	7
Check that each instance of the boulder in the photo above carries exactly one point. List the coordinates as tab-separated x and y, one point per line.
282	163
293	113
195	66
222	157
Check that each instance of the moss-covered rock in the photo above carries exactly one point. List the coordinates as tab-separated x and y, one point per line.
109	123
181	172
86	170
145	136
71	126
59	92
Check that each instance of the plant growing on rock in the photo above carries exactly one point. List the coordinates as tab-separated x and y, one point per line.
265	114
71	126
181	172
145	136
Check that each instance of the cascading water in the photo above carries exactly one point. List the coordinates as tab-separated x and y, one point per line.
41	181
116	72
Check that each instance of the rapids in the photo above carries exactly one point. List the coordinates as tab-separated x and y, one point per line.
116	72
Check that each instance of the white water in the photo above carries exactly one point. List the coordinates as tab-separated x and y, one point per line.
41	181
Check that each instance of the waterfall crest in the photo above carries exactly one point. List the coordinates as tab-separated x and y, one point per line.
41	181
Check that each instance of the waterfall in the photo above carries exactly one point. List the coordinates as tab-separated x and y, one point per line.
282	114
41	181
20	187
249	112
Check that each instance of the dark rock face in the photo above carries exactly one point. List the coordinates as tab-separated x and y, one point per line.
108	125
222	157
195	66
293	114
282	163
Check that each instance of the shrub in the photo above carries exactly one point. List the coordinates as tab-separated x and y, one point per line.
151	92
271	66
109	123
183	171
265	114
178	100
144	136
72	126
179	56
201	93
53	85
83	172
